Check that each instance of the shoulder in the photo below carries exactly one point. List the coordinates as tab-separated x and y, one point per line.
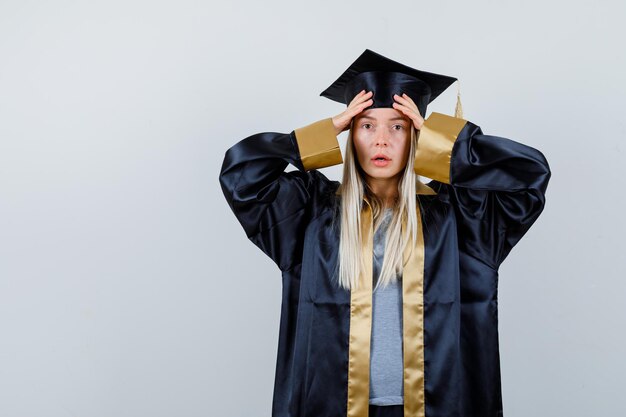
322	192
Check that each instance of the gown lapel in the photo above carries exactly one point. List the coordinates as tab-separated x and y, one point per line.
413	322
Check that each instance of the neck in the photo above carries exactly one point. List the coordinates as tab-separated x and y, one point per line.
384	188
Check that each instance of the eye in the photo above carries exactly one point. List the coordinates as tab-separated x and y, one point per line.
400	126
366	124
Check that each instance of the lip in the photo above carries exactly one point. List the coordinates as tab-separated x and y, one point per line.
380	163
381	155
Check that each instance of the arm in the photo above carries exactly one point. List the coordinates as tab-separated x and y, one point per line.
496	185
271	204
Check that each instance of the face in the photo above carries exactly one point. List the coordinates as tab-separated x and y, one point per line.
381	139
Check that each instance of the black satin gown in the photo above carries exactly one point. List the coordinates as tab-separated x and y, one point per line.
485	193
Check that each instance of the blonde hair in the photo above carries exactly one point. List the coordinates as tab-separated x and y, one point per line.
353	191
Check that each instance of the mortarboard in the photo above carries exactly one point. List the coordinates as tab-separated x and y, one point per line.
386	77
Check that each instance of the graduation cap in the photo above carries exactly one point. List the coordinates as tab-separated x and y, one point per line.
386	77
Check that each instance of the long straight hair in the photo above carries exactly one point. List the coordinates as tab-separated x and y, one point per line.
353	192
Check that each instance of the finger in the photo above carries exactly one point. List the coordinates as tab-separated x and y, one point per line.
403	108
355	98
406	96
361	107
416	118
360	97
404	101
414	110
358	101
409	112
355	109
364	99
412	104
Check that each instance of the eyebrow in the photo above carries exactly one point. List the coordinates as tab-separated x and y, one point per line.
373	118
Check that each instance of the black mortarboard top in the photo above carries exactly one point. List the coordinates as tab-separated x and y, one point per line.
385	77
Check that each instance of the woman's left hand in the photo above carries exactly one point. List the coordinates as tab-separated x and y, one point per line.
407	106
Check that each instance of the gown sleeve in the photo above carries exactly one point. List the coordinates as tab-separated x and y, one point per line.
496	185
270	204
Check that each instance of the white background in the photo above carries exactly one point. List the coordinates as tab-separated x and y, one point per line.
127	287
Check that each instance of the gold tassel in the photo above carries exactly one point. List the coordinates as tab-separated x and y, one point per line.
458	111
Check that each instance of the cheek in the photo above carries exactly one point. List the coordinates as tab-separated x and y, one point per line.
405	148
359	147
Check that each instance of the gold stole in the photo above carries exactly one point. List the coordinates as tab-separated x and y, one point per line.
413	323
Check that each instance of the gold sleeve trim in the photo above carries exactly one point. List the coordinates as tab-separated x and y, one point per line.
318	145
434	146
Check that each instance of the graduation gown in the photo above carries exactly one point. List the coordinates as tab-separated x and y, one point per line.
485	193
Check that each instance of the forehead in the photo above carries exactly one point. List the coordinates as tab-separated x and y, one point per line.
382	114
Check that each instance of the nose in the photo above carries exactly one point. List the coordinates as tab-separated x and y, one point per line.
381	140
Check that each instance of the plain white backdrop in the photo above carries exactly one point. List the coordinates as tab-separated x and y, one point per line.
127	287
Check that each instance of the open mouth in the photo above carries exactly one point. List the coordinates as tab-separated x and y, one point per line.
380	157
380	160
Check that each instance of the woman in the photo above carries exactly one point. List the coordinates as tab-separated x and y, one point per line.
389	304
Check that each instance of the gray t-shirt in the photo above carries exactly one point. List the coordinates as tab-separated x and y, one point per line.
386	359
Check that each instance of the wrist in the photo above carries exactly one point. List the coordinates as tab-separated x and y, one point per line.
337	128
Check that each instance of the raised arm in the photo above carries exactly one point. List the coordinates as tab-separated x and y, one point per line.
270	204
496	185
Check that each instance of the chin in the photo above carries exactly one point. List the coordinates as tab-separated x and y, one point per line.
382	173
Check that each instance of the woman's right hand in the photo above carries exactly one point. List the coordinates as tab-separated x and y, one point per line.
356	106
